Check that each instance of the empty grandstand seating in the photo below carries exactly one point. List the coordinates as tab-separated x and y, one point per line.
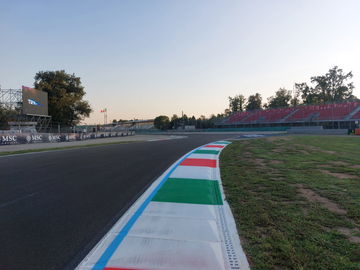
356	115
238	117
326	112
272	115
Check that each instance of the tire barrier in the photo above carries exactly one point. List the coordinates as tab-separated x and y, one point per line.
26	138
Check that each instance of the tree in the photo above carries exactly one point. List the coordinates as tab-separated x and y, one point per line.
254	102
295	101
174	117
227	112
65	92
308	94
237	103
174	123
6	115
162	122
203	122
192	120
333	86
280	100
114	122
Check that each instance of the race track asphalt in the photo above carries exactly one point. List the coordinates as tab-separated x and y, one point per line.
55	206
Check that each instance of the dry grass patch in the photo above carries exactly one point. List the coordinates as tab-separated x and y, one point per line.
279	139
339	163
260	162
274	161
338	175
312	196
349	233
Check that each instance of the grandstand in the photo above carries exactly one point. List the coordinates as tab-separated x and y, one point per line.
138	124
338	115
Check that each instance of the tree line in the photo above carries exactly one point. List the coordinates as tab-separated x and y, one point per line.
163	122
332	87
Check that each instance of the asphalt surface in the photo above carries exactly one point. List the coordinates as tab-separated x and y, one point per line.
55	206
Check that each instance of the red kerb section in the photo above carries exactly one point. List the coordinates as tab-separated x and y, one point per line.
199	162
214	146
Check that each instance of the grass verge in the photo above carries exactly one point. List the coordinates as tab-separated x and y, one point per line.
62	148
296	200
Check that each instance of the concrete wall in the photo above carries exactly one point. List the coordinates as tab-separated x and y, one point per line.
316	130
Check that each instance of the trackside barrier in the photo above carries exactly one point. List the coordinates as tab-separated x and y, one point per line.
182	221
357	131
225	129
316	130
26	138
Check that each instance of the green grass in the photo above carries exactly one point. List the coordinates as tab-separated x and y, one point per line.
62	148
281	228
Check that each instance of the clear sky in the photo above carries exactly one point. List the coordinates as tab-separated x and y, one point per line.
140	59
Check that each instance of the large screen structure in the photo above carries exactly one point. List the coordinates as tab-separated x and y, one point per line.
35	102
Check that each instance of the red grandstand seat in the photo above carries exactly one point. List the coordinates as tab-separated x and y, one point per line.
326	112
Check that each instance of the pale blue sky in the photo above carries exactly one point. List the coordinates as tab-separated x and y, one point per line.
140	59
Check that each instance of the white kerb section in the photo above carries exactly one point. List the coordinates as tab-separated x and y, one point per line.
176	236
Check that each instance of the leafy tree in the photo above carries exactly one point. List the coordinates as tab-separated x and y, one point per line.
6	115
174	123
66	104
203	122
227	112
174	117
295	101
114	122
281	99
308	94
237	103
162	122
192	120
331	87
242	101
254	102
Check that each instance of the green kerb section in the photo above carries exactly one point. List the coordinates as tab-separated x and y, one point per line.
213	152
187	190
221	142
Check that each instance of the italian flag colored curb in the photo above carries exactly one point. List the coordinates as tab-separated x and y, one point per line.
182	222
